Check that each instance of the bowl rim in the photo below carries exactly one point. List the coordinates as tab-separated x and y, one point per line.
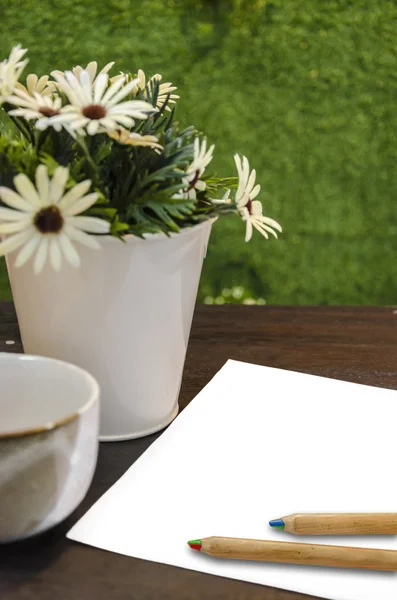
52	425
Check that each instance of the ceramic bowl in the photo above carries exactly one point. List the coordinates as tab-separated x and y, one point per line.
49	426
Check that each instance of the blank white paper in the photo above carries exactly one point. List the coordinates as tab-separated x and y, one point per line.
256	444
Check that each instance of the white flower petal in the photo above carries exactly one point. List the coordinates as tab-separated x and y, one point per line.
66	117
92	127
58	182
208	156
107	123
129	112
241	183
55	254
203	149
81	237
248	231
224	200
251	183
196	146
86	86
31	82
200	185
27	251
243	200
263	229
42	84
8	214
14	200
44	122
126	121
91	69
106	68
25	113
269	229
256	208
26	189
69	250
272	223
41	124
127	89
90	224
75	87
246	170
255	191
81	205
41	255
42	184
141	79
15	241
117	77
237	160
76	124
74	194
21	99
113	89
16	53
100	86
139	105
13	227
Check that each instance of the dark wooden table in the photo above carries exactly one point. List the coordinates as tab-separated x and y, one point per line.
355	344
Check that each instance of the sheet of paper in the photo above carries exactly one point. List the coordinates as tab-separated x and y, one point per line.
259	443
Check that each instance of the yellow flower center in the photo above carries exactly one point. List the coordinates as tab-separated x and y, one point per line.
94	111
49	220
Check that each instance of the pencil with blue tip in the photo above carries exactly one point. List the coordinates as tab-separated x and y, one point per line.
337	523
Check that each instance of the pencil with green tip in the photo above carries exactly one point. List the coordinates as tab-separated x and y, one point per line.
297	553
337	523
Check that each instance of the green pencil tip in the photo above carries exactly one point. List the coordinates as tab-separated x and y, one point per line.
277	524
195	544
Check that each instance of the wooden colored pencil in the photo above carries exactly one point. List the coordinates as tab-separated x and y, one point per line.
338	524
297	553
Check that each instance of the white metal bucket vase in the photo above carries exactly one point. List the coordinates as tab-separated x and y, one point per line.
124	316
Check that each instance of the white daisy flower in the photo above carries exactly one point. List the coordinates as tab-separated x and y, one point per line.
35	106
95	106
202	158
91	69
134	139
10	71
41	86
251	210
42	220
164	89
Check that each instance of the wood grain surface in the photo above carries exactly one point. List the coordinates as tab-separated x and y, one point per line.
356	344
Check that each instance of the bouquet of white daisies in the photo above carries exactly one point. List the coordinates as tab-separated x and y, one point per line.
91	154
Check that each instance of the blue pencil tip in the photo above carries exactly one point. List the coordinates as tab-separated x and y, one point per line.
277	524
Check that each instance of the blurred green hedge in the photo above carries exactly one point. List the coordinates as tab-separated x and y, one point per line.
306	89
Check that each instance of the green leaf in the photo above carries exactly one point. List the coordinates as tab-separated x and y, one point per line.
117	228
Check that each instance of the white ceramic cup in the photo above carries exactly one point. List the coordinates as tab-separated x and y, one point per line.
49	425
